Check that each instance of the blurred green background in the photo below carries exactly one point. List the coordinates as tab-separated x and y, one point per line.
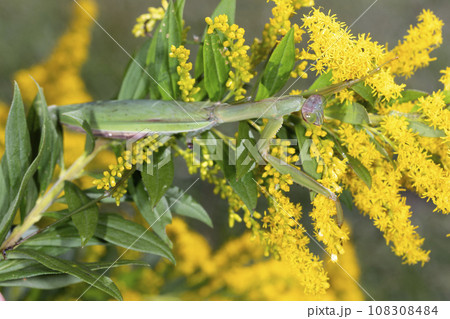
29	30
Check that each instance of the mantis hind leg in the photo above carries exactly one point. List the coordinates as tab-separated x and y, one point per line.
297	175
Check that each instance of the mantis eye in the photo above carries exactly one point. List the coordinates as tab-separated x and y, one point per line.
312	110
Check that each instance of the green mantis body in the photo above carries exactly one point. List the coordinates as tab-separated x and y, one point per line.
128	119
124	119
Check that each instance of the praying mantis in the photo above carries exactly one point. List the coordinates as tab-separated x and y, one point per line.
125	119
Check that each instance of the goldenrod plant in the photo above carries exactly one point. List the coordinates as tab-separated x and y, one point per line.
356	135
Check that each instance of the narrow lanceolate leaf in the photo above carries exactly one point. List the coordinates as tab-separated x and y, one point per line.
47	282
163	69
365	92
53	146
8	216
157	217
408	96
360	170
158	175
322	81
215	67
424	130
227	7
244	162
124	233
75	269
278	68
86	220
17	155
34	275
353	113
184	205
245	187
179	8
135	83
63	236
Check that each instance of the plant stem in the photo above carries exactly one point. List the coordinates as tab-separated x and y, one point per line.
44	202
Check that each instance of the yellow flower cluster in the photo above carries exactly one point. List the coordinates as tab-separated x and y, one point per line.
140	153
435	111
390	213
286	238
192	250
278	26
414	52
445	79
186	83
324	211
336	50
59	75
437	147
236	271
428	178
146	22
382	202
236	53
209	171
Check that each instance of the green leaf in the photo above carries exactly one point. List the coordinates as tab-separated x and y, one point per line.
63	236
353	113
227	7
78	117
34	275
365	92
380	147
163	69
309	164
29	200
446	96
124	233
53	145
30	271
47	282
184	205
158	217
424	130
245	161
215	67
245	187
135	82
75	269
408	96
322	81
179	8
360	170
7	218
158	175
346	198
278	68
17	155
86	220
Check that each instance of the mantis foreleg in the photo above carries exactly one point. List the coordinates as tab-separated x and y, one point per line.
297	175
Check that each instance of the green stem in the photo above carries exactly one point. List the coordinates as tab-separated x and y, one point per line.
44	202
